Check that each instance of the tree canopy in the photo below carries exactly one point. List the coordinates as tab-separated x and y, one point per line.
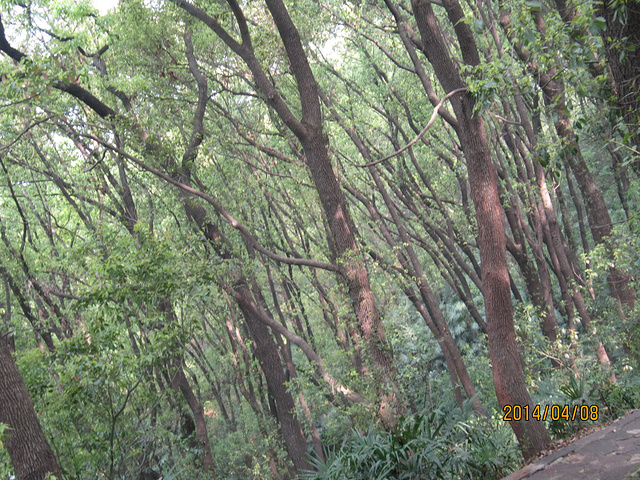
293	239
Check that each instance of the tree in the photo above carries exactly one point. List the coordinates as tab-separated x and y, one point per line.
620	36
236	232
309	131
507	375
30	453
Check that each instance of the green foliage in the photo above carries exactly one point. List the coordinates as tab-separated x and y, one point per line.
618	398
122	304
578	402
5	463
446	443
3	453
574	394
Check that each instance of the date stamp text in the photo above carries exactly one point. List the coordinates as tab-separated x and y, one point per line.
550	412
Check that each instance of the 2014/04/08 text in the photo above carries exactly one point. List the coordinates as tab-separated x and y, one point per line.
553	412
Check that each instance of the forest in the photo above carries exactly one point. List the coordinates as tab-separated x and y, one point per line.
333	239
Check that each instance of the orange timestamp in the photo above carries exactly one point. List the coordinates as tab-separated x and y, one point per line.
550	412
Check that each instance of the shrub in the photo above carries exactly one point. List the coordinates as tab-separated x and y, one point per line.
445	443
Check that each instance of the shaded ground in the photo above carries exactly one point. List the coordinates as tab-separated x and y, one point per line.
612	453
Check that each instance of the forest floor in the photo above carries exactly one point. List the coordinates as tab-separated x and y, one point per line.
610	453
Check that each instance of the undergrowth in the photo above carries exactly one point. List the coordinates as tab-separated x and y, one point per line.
445	443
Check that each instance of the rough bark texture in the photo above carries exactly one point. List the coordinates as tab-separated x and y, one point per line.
31	455
622	44
309	131
507	373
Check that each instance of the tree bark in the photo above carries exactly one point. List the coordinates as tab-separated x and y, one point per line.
507	371
31	455
621	40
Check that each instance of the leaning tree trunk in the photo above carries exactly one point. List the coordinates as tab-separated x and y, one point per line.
309	131
31	455
315	146
622	45
507	371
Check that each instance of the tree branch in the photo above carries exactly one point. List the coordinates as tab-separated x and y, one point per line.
220	210
421	134
73	89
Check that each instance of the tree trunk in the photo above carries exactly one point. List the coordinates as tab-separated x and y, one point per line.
507	371
621	40
265	348
309	131
539	292
31	455
180	382
315	147
267	353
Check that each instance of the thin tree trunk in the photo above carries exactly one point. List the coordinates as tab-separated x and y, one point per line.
580	214
248	394
180	382
429	309
442	331
267	353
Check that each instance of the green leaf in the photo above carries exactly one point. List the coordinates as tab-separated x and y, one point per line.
600	22
530	36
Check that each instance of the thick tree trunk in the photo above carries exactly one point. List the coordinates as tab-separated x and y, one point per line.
507	372
622	43
31	455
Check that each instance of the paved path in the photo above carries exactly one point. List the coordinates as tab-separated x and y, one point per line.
612	453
